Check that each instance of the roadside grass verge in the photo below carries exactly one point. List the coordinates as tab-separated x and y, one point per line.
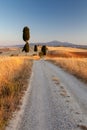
76	66
74	60
14	75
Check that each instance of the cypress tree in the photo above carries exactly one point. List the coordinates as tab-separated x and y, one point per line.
26	47
26	34
35	48
43	49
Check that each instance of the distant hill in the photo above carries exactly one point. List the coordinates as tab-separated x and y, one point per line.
58	43
51	43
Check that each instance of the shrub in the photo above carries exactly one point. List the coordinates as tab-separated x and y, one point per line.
40	54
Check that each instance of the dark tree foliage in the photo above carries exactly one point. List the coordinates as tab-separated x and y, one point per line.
26	47
43	49
35	48
26	34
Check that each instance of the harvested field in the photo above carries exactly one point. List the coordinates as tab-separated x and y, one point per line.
66	52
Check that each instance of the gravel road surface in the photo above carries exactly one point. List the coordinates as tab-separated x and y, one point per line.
55	100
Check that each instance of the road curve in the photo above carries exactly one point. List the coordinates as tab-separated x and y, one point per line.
55	101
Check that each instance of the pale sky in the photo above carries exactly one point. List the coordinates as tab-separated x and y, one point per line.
62	20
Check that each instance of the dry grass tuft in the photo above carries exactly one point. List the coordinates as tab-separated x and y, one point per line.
63	93
14	75
83	127
56	80
62	87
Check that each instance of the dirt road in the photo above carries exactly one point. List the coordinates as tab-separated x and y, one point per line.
55	100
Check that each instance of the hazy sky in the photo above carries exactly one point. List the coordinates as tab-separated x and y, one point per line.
62	20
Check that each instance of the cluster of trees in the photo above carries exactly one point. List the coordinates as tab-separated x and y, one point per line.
43	50
26	37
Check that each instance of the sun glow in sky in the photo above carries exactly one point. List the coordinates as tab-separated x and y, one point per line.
62	20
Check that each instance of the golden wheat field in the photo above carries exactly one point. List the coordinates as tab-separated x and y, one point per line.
14	72
71	59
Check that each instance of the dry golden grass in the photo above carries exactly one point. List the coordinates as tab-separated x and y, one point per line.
76	66
71	59
14	75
